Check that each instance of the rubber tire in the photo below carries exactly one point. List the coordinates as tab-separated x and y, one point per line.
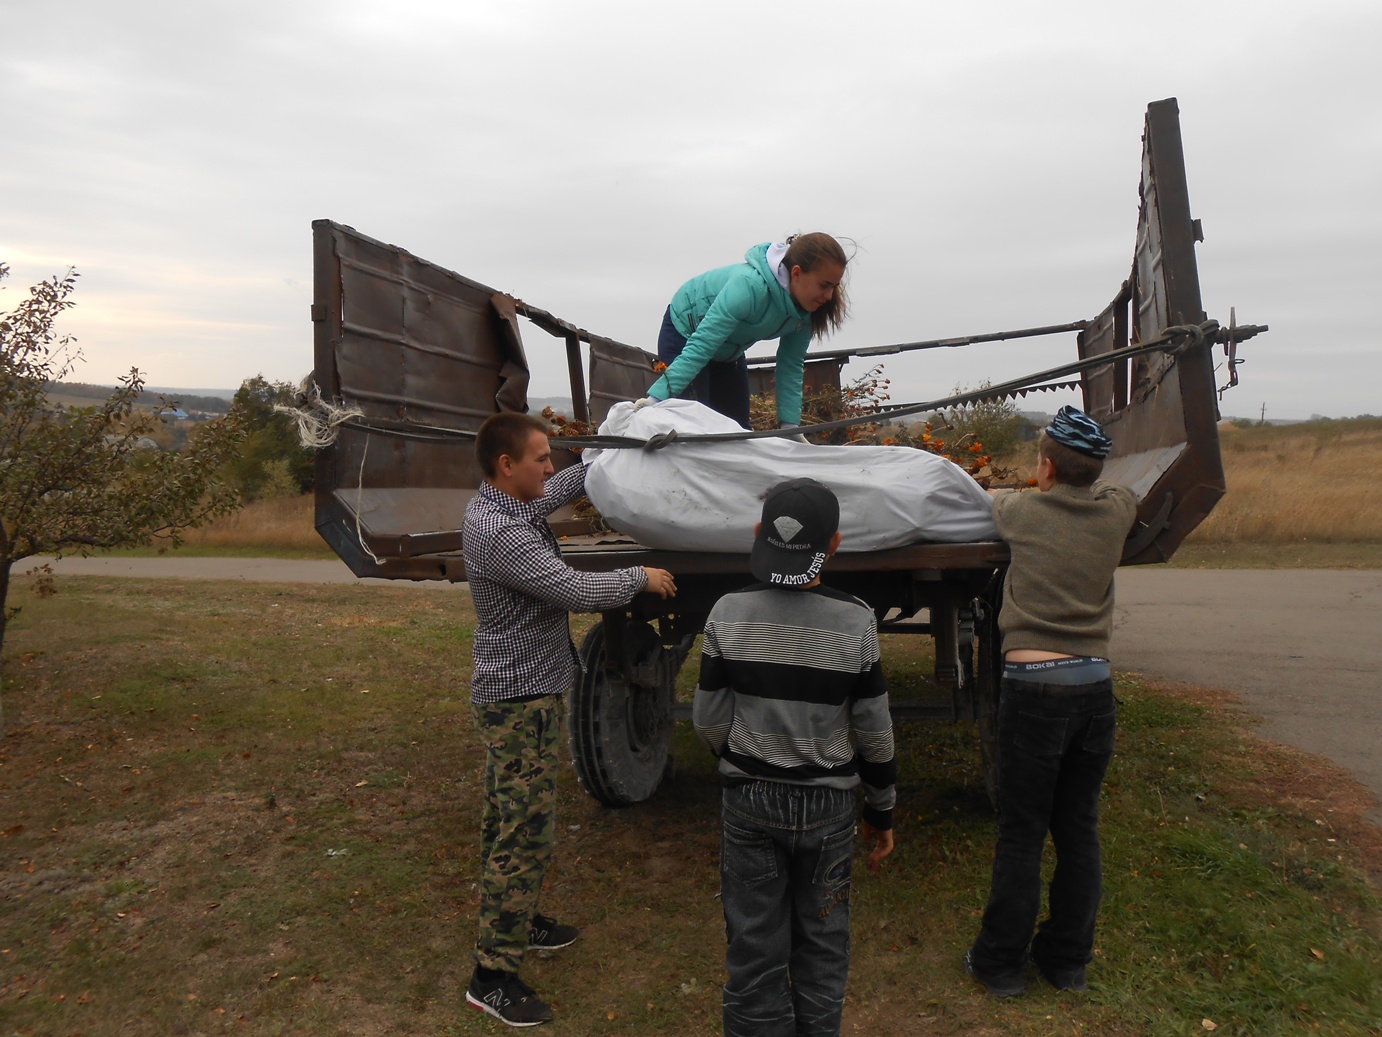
621	735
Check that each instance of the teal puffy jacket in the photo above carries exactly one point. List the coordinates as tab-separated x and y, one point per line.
725	311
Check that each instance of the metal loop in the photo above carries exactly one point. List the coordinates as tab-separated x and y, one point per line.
660	440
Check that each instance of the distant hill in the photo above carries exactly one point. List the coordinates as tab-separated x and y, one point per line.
560	404
81	394
220	394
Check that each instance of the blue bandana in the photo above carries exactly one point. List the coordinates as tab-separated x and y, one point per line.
1077	430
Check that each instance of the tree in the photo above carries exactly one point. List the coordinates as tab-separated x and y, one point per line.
272	462
995	423
72	480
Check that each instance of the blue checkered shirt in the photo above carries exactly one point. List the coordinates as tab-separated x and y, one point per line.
523	591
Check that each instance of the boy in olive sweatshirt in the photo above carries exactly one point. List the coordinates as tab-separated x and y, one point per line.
1056	708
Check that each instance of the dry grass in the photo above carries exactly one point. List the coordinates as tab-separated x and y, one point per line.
283	523
1313	482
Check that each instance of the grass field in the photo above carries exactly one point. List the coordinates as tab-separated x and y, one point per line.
233	809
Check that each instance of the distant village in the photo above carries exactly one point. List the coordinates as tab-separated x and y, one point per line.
180	411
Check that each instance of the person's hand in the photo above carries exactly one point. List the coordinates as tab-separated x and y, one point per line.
646	401
882	845
660	582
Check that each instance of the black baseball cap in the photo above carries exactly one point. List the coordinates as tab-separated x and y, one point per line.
799	518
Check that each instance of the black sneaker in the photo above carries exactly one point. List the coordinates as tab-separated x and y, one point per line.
998	986
508	999
547	934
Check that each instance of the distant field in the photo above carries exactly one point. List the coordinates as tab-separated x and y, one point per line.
1295	484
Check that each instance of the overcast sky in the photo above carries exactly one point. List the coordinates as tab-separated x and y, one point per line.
589	157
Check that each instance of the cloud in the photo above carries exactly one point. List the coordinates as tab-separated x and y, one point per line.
591	157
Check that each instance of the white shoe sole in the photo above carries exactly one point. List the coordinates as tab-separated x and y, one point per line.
488	1010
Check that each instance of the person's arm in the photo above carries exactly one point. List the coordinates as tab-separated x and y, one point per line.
730	308
1122	497
878	773
563	488
873	738
712	712
518	557
789	374
882	840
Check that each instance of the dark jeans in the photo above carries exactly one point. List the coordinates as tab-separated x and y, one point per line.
721	387
1054	747
785	866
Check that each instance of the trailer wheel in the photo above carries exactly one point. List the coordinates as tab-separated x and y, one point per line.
988	680
621	732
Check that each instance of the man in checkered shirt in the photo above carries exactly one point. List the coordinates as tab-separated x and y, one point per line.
524	662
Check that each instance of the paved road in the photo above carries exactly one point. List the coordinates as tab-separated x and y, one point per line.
1303	648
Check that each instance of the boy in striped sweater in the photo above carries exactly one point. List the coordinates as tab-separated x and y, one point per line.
792	700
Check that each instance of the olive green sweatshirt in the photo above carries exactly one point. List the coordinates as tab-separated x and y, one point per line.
1065	544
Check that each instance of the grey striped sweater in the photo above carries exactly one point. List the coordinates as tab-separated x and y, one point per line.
792	690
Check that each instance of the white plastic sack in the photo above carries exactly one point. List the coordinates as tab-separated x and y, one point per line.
707	497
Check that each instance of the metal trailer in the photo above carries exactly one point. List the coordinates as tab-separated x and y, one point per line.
417	348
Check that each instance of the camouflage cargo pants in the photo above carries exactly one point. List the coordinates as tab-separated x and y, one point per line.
520	741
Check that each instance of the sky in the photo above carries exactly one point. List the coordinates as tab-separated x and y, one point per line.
589	157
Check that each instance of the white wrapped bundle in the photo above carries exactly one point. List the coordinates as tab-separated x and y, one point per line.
707	497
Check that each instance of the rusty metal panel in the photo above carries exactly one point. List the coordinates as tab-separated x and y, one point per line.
400	338
1106	388
617	373
1160	410
816	376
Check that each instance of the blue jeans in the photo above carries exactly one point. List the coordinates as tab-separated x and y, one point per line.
786	853
723	387
1054	747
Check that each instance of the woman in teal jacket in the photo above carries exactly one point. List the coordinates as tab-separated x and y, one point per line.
792	291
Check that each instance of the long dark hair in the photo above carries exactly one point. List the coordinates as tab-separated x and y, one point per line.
808	251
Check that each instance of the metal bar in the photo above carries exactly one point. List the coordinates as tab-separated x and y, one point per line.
554	325
905	626
935	343
408	401
573	365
